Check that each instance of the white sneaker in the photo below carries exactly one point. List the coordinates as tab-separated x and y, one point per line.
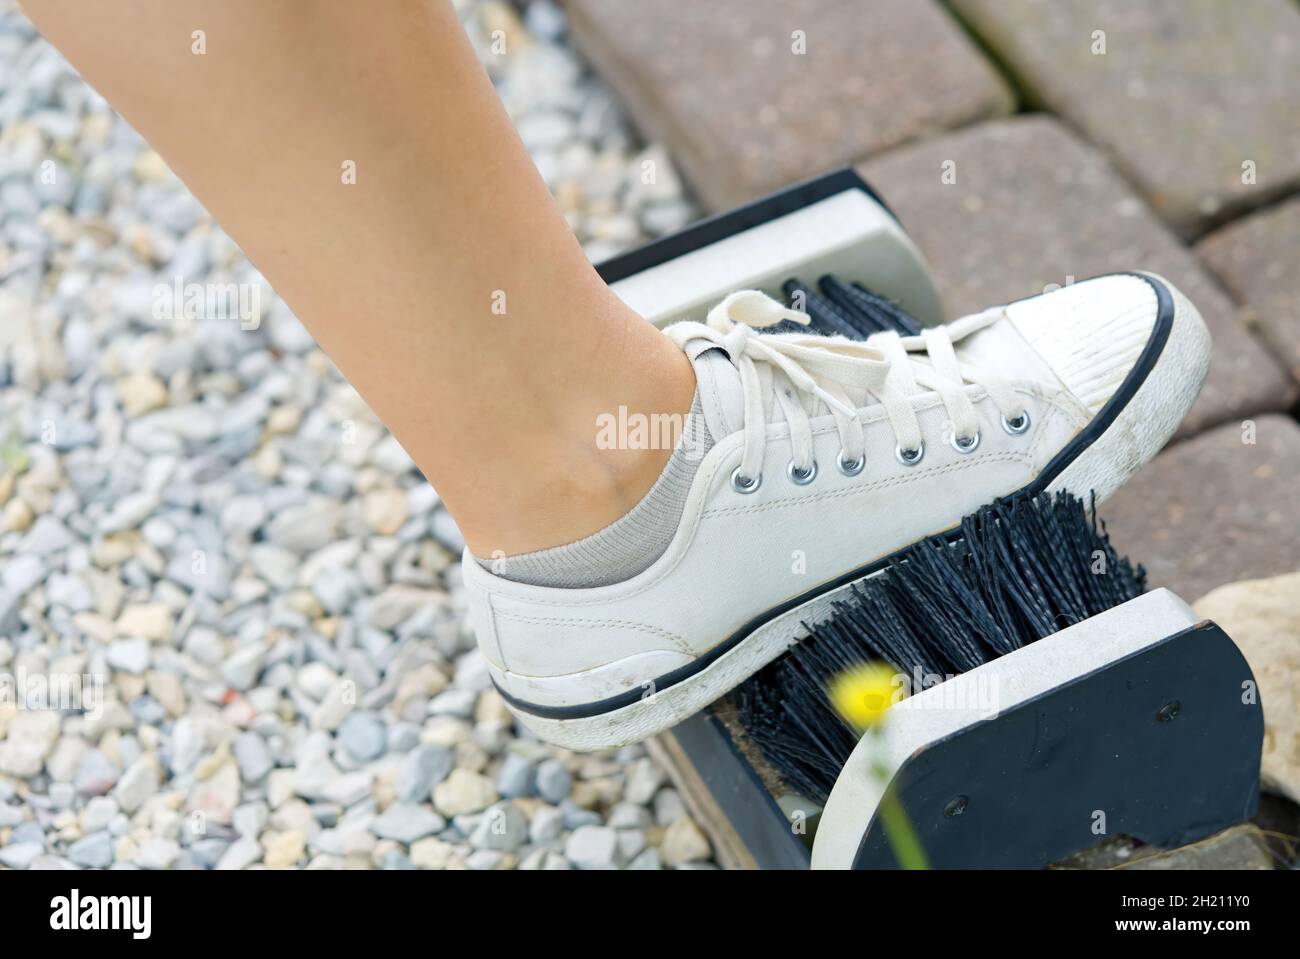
830	456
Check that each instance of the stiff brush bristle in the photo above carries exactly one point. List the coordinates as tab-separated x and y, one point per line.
1013	572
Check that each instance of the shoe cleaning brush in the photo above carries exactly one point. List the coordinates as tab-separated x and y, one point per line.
1013	572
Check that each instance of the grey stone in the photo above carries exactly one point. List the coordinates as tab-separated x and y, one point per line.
668	807
20	855
545	19
244	665
575	816
129	655
553	781
96	774
420	770
303	529
27	832
407	822
22	572
631	843
501	827
517	777
250	819
337	589
207	853
647	859
240	854
253	757
137	784
363	735
484	860
594	847
47	535
403	737
99	811
547	825
454	702
396	859
69	591
187	743
644	777
94	851
627	815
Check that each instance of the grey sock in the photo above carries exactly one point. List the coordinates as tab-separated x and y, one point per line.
630	544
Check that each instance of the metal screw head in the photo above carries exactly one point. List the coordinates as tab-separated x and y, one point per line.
1169	710
956	806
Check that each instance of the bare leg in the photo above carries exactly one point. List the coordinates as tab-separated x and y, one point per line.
397	274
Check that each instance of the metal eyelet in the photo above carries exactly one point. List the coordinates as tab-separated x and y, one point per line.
799	478
744	484
910	457
966	444
1017	425
851	467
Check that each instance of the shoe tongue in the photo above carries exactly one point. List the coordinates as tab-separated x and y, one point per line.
717	384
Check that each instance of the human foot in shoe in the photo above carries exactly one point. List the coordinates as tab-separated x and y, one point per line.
828	456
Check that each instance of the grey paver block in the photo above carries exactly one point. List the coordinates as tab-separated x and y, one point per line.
1031	206
1214	509
721	85
1258	259
1186	92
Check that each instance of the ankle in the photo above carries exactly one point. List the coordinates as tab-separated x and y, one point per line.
599	460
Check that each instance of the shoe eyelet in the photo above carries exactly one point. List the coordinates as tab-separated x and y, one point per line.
851	467
744	484
966	444
910	457
799	478
1017	425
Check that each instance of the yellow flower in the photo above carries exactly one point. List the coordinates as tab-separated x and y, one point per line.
861	695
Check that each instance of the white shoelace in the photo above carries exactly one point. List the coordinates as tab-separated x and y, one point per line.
791	367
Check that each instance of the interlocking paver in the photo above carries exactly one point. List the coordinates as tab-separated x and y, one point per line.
1030	205
1214	509
1184	94
722	84
1258	259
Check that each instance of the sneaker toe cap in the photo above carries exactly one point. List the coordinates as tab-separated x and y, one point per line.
1091	333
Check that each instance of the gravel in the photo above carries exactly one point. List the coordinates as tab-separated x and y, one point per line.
203	525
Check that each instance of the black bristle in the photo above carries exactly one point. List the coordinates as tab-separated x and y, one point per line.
1013	572
868	311
824	316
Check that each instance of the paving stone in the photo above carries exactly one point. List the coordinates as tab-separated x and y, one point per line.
1214	509
1256	259
1186	92
1032	206
743	113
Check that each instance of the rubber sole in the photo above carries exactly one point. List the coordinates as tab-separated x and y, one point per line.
1126	433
